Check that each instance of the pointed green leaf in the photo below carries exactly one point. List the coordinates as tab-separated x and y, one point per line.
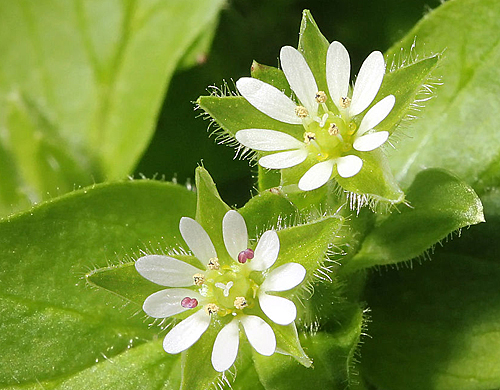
439	204
233	113
313	46
210	208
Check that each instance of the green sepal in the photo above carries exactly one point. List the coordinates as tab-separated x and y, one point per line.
405	83
268	178
307	244
439	204
374	180
233	113
313	46
272	76
210	209
332	353
197	369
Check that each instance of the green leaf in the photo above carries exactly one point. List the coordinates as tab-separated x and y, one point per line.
84	82
458	129
439	204
53	327
435	327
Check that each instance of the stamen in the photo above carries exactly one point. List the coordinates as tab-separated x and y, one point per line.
198	279
308	137
320	96
189	303
240	303
333	129
301	111
345	102
225	287
245	255
213	263
211	308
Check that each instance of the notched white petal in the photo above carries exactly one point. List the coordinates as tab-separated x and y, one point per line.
187	332
316	176
234	232
266	252
300	78
260	335
284	277
349	166
376	114
280	310
283	159
267	140
166	271
197	239
226	347
338	71
268	99
367	83
166	303
371	141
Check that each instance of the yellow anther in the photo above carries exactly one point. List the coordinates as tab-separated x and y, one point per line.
301	111
309	136
320	96
213	263
198	279
333	129
345	102
240	303
211	308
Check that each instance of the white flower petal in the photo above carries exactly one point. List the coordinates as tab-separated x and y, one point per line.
300	78
284	277
376	114
283	159
280	310
368	82
187	332
259	334
166	303
371	141
267	140
338	71
226	346
234	232
316	176
349	166
266	252
197	239
268	99
166	271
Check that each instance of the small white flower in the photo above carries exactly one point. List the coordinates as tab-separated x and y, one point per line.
227	290
330	131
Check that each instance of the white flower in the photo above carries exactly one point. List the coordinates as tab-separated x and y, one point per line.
331	130
226	287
